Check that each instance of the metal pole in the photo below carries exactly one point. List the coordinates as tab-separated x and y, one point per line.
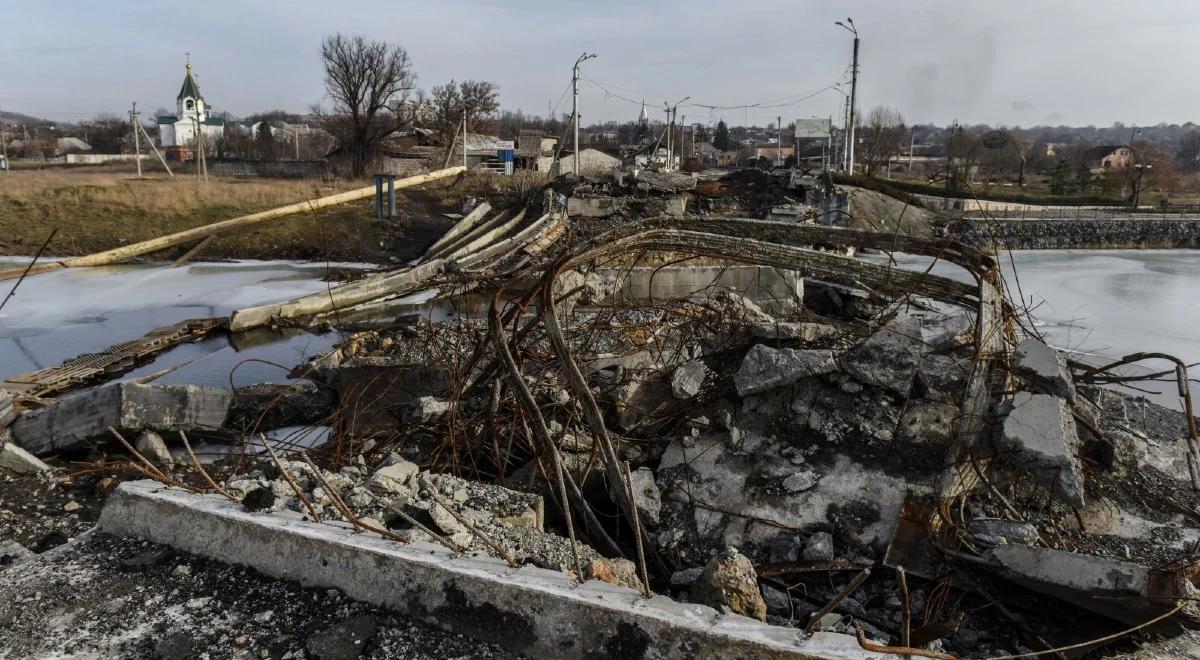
464	132
150	142
853	100
912	138
391	179
137	139
3	143
575	107
779	143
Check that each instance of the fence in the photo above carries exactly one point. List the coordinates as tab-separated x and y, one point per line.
275	168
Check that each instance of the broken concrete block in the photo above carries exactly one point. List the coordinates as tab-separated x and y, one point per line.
687	577
638	398
942	377
127	407
1045	368
647	496
393	479
819	547
428	409
776	600
1041	430
12	552
996	531
1124	591
688	378
765	368
801	481
889	358
729	580
17	460
152	446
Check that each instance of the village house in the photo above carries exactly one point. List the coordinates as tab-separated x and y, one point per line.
1110	157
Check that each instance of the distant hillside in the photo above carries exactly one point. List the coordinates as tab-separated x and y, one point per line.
18	118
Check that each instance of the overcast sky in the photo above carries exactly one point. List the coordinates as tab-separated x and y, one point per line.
1015	62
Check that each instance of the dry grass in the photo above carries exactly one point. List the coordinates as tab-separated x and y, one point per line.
97	210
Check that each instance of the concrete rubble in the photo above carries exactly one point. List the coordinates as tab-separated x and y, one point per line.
610	448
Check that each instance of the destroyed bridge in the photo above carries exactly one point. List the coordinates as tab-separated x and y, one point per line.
621	419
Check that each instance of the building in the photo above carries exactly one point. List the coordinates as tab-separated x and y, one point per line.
1110	157
591	162
177	132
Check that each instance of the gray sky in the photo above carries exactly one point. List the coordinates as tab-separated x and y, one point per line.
1018	62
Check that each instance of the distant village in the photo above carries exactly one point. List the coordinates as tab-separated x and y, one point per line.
1065	160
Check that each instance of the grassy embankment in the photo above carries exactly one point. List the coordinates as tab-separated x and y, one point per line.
96	210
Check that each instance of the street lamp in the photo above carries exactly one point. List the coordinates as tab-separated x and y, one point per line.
1139	169
849	26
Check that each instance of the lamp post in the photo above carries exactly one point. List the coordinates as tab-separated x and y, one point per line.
574	108
849	26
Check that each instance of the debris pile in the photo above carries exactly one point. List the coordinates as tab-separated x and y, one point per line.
887	456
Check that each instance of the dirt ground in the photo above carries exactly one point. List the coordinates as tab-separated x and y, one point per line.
98	209
91	595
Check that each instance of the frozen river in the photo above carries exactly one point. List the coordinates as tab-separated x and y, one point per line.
58	315
1101	304
1105	304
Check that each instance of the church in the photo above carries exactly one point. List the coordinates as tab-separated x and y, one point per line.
179	130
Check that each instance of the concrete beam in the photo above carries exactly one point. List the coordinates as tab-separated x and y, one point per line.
77	419
527	610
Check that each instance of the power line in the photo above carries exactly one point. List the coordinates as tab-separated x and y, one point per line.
780	102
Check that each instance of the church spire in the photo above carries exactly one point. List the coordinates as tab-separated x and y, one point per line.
644	117
189	89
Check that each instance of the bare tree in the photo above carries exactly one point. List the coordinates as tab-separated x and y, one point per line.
479	99
884	136
370	83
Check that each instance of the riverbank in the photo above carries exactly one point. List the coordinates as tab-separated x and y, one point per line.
99	210
1131	233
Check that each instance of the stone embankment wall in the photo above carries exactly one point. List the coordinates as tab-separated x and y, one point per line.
1084	234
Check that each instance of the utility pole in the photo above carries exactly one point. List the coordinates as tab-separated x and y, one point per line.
137	139
575	107
672	112
464	132
912	138
779	143
849	25
828	146
3	144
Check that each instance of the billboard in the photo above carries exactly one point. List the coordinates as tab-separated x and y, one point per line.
812	128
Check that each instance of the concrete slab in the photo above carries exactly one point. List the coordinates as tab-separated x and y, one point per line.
1040	428
533	611
1124	591
83	417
